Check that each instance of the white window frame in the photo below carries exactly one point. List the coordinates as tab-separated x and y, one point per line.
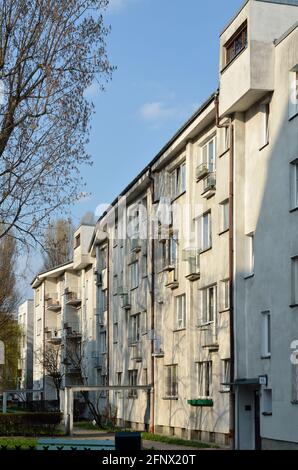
293	92
225	375
204	154
134	275
294	183
204	375
115	332
171	385
251	254
204	231
264	124
208	314
225	294
180	310
135	328
224	215
294	281
178	180
266	334
133	381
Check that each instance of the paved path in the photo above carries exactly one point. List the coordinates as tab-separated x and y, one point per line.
149	445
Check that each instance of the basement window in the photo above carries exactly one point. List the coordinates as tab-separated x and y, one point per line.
236	44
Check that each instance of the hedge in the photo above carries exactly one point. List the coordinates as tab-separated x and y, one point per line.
28	424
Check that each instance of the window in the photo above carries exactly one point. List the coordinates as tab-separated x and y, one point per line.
208	155
103	342
38	326
119	379
236	44
170	252
205	379
204	232
115	333
115	238
134	275
135	329
145	376
78	240
294	300
293	101
133	382
251	254
208	305
294	184
172	381
266	335
224	216
178	180
180	308
267	402
225	375
226	135
225	294
264	125
144	322
144	266
37	297
115	284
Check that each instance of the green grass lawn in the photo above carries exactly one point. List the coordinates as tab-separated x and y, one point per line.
148	436
12	442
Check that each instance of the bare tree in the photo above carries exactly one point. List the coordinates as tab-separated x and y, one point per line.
9	297
57	243
50	359
51	51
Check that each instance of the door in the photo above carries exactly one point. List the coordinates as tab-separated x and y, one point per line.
258	442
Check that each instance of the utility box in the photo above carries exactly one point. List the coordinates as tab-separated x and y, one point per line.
128	442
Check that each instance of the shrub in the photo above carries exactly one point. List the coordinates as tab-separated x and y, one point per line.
28	424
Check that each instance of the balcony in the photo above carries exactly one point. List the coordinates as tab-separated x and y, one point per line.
72	330
135	245
158	350
137	352
125	302
53	335
192	257
53	303
172	282
202	171
209	186
72	298
209	339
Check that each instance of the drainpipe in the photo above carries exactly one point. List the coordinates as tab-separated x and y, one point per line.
229	125
152	324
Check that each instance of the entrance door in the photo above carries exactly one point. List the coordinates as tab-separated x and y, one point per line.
258	442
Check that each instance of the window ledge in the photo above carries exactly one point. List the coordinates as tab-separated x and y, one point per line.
224	153
224	310
294	402
224	231
293	305
206	250
293	117
177	330
263	146
224	391
171	398
293	210
249	276
205	325
177	197
267	356
233	60
267	413
134	288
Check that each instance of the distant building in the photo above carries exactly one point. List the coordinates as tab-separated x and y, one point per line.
25	320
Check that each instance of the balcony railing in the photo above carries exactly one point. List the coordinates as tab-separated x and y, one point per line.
53	335
209	185
209	338
100	362
72	330
126	302
172	280
53	302
137	352
192	257
202	171
72	298
135	245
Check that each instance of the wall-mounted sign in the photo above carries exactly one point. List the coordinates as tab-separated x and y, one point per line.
263	380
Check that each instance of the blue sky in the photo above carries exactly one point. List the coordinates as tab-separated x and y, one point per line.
166	53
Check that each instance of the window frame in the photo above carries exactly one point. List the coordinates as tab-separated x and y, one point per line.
209	161
294	184
133	381
224	224
135	328
266	334
180	312
294	281
225	375
178	180
242	32
204	379
171	383
293	93
205	313
225	294
134	275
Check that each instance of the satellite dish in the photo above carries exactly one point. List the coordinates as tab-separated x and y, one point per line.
2	353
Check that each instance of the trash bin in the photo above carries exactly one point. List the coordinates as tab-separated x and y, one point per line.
128	441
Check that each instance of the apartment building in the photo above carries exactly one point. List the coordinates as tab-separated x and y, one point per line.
64	320
25	320
192	271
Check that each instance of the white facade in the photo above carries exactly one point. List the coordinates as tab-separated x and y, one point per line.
25	320
189	282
